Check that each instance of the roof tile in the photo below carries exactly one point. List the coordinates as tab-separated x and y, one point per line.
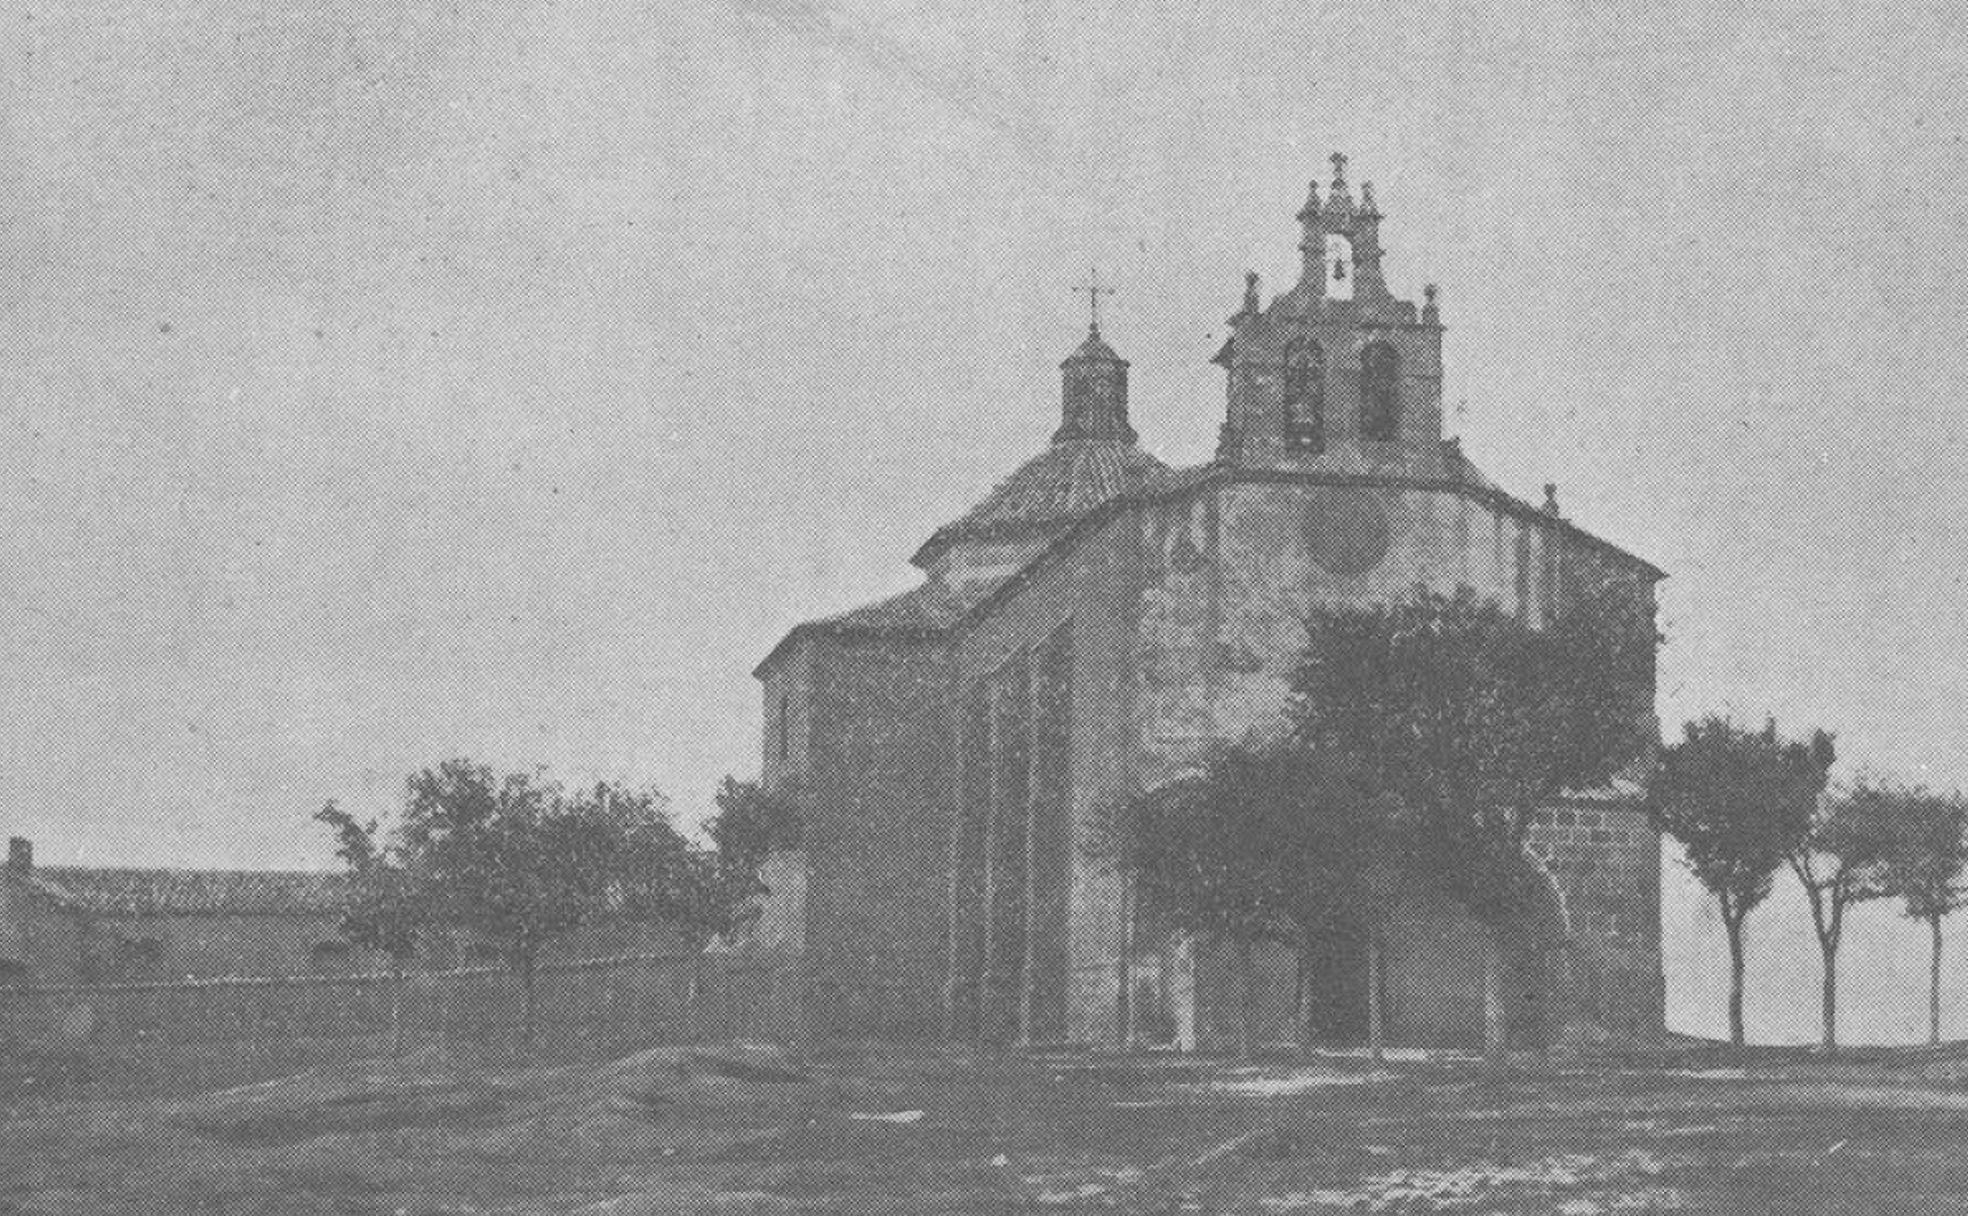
1051	490
165	892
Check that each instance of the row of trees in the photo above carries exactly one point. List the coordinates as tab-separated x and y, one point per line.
1422	736
516	862
1747	805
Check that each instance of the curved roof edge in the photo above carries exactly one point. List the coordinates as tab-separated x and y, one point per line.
930	612
1183	482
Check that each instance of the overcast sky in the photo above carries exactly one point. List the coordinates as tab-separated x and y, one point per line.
390	380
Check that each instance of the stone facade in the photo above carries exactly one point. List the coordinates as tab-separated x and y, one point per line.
1086	632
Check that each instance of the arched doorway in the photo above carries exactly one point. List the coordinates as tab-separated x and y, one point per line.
1433	970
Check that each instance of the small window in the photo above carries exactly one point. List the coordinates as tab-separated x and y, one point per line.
1380	393
1304	384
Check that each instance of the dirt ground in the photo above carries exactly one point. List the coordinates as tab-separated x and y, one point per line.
736	1129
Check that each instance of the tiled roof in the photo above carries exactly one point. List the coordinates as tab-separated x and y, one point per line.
1050	491
166	892
924	609
920	612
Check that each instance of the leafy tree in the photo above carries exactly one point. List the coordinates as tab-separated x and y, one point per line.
1739	802
753	822
1259	846
515	861
386	909
657	876
750	825
1923	866
1840	863
1470	719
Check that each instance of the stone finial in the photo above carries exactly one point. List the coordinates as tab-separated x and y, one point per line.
1250	293
1550	499
1367	207
1431	309
1339	199
1311	208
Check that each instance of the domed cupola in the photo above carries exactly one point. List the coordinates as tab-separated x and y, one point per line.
1091	460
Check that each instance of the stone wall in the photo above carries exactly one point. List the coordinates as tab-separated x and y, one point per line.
1231	574
786	741
184	947
1605	860
877	823
1079	603
186	1035
50	943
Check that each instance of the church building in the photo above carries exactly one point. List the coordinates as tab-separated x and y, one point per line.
963	754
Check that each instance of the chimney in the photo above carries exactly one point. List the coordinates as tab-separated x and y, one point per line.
20	854
1550	499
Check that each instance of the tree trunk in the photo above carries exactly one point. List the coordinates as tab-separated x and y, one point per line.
531	1007
1735	928
1247	1014
693	1001
397	1036
1496	1042
1376	1014
1934	984
1828	995
1302	999
1123	1005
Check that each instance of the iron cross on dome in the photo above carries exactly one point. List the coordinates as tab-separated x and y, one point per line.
1094	290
